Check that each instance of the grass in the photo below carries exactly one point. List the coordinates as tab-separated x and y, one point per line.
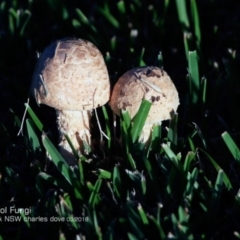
184	184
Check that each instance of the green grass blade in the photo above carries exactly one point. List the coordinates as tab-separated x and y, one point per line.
90	186
104	174
84	19
204	90
218	168
76	23
171	155
27	16
2	7
12	16
4	134
217	191
41	177
148	167
107	124
200	134
192	178
17	121
131	236
159	61
135	176
25	220
183	220
143	184
96	225
139	119
33	138
156	137
187	41
182	14
174	222
105	11
72	147
94	197
141	61
191	144
171	176
188	159
14	180
117	181
121	7
195	17
157	222
34	117
57	158
218	183
113	44
194	82
126	118
61	165
233	148
134	220
109	186
126	138
81	172
82	16
204	96
142	215
131	161
172	131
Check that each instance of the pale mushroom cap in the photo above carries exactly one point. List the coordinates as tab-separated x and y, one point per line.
157	87
71	75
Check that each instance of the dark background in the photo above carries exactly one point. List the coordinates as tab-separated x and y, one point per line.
158	31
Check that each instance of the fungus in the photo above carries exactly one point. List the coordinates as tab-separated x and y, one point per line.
71	76
151	83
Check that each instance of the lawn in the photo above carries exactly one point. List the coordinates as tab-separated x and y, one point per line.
184	183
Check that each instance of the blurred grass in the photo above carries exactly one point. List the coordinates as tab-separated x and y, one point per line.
185	183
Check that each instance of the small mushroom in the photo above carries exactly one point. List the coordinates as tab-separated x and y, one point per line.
71	76
131	88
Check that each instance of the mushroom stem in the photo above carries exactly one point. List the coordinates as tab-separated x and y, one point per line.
75	124
146	133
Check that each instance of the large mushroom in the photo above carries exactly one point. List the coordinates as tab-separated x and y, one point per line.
71	76
151	83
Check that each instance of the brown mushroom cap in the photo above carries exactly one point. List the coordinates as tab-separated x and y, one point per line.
71	75
157	87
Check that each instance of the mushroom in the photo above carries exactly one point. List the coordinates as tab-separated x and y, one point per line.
71	76
151	83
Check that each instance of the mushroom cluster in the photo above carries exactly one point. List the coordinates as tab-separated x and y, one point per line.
150	83
71	76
